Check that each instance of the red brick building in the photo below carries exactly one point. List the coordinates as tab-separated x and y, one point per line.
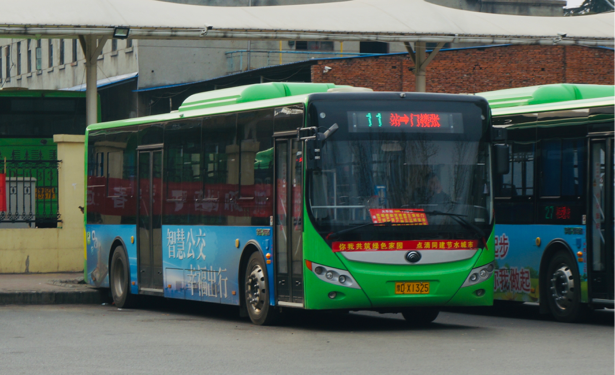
471	70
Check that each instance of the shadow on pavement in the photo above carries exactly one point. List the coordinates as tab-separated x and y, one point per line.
518	310
297	319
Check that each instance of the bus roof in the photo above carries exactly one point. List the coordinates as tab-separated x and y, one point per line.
252	93
546	94
239	98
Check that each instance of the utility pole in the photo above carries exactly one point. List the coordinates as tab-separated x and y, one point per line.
249	43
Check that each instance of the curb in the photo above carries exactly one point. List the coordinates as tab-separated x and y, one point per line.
52	297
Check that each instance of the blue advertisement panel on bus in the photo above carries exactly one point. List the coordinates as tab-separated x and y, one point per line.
202	262
199	262
518	254
99	239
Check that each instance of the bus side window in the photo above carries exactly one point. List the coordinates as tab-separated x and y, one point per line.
112	177
573	167
220	173
562	171
182	171
254	131
288	118
514	190
551	168
563	168
97	183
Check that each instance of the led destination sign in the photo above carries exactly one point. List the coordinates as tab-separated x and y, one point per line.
440	122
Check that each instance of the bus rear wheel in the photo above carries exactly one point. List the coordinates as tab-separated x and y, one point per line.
420	316
119	279
563	292
256	292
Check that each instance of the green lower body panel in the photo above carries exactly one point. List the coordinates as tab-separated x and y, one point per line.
317	295
473	295
378	281
377	284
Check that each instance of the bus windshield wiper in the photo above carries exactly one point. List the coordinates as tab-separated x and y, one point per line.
334	235
461	220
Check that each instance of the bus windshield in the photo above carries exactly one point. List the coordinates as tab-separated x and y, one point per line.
407	184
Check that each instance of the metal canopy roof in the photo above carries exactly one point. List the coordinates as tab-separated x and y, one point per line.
365	20
93	22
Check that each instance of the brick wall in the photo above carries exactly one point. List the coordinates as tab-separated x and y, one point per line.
476	69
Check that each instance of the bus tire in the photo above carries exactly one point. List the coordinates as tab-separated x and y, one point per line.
256	292
119	279
420	316
563	289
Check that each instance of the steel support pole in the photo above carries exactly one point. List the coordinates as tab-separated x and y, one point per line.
91	91
91	49
420	68
421	60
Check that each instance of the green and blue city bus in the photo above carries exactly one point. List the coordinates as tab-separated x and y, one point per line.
554	209
297	195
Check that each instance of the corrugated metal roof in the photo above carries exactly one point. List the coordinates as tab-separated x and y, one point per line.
384	20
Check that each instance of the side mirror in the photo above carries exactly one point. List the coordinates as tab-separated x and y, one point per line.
314	144
502	159
312	147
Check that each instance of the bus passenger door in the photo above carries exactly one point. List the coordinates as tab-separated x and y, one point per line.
149	236
600	221
288	217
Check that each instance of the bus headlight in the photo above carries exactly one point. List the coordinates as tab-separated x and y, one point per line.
480	274
332	275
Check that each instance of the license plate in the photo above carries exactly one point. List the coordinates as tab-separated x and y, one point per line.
412	288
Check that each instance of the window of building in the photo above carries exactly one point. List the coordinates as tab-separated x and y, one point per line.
39	55
50	62
314	46
7	56
61	51
114	45
18	58
128	43
0	67
29	57
75	50
373	47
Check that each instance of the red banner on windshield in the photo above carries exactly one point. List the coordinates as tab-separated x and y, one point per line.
399	216
405	245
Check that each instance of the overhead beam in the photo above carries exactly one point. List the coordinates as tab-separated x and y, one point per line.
200	34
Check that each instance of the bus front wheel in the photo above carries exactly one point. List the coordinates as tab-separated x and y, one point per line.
119	279
563	289
256	292
420	316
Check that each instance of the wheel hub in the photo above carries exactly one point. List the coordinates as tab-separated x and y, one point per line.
255	289
562	287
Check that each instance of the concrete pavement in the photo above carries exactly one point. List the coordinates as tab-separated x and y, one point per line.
48	289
